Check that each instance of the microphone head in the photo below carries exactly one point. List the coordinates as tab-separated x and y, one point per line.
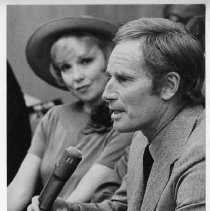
73	152
71	156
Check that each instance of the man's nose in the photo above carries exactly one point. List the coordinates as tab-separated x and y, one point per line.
109	93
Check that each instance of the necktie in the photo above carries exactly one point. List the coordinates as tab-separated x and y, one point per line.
147	164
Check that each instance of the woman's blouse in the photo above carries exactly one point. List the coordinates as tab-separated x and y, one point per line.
62	127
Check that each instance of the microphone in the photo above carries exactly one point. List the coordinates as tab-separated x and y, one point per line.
63	170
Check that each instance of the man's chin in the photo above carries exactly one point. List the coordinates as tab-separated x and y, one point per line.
122	128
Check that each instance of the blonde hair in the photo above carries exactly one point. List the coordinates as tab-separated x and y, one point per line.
90	39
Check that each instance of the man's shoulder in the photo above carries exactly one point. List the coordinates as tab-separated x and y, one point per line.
191	138
197	139
194	151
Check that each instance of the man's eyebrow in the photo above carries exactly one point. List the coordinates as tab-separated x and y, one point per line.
124	75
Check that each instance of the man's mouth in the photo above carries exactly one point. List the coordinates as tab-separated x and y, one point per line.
116	113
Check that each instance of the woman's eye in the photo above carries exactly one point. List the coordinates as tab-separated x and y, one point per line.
86	61
65	67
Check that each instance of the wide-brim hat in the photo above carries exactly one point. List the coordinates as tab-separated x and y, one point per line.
39	44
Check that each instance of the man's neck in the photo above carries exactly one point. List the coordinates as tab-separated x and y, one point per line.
164	118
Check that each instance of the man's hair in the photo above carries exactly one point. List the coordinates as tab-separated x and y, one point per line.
168	47
91	39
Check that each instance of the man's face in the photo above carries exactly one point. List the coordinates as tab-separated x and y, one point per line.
183	13
129	90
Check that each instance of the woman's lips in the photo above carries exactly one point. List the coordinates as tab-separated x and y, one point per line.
82	88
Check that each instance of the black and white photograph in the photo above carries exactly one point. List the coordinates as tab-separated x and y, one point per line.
104	105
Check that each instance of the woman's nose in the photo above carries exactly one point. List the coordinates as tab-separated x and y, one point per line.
77	74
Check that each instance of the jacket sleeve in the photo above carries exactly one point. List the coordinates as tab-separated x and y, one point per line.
117	203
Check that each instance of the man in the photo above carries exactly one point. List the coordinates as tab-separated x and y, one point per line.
191	15
156	76
183	13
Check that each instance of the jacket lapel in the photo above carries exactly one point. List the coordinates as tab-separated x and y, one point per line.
172	140
135	172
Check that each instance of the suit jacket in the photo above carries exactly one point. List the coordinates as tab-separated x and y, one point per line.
177	178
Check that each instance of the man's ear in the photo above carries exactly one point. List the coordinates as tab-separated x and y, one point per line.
172	82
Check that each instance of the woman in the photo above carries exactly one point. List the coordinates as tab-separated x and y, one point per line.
71	54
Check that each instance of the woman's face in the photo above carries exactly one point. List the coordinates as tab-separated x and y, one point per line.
82	68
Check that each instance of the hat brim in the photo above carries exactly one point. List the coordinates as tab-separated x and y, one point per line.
39	44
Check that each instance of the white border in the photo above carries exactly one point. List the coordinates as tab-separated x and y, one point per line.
3	5
57	2
3	169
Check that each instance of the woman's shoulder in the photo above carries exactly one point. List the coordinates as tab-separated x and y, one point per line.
75	107
65	111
